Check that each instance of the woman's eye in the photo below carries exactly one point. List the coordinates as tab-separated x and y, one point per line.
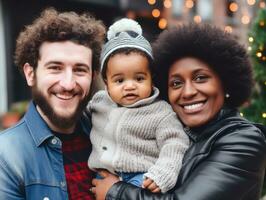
201	78
175	84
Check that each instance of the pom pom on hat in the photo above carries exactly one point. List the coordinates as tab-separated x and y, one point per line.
125	33
123	25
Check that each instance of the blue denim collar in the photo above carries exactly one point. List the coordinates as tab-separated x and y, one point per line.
38	128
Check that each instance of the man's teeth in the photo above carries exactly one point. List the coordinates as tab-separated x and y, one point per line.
193	106
66	97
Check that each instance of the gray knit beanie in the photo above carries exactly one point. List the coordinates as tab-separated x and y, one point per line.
125	33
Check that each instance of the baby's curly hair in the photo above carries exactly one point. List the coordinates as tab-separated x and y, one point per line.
53	26
218	49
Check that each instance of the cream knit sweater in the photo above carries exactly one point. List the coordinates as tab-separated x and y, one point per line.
143	137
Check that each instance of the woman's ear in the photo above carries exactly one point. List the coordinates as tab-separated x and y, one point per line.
29	74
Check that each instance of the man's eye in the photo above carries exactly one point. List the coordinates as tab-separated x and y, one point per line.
80	70
54	68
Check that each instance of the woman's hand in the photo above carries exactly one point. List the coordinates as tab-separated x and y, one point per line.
101	186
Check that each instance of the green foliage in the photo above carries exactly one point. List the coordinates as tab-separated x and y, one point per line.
257	107
256	110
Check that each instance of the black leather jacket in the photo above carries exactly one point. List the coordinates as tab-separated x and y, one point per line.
226	161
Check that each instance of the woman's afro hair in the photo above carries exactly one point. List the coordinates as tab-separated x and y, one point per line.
218	49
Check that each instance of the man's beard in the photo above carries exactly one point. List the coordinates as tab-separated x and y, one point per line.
57	120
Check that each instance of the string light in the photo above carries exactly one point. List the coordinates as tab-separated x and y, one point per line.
162	23
265	83
249	48
189	3
241	114
151	2
258	54
251	2
262	23
264	115
167	3
156	13
264	58
197	19
245	19
233	7
228	29
250	39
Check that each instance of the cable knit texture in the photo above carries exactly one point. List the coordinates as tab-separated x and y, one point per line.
143	137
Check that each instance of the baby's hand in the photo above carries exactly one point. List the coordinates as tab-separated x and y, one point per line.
151	185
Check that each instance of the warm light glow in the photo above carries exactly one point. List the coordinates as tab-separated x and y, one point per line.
228	29
264	58
262	4
197	19
162	23
167	3
264	115
259	54
261	47
156	13
233	7
249	48
151	2
245	19
250	39
251	2
131	15
265	83
241	114
189	4
262	23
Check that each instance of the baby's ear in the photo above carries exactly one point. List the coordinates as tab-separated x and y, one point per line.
29	74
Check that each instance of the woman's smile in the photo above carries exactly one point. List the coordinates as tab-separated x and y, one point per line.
195	91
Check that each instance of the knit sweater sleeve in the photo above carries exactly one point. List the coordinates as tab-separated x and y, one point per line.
172	142
97	97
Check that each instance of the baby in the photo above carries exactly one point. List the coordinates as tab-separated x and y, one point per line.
134	135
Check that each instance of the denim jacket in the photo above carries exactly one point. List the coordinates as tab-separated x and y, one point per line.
31	163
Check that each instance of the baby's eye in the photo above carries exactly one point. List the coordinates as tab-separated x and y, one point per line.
119	80
140	78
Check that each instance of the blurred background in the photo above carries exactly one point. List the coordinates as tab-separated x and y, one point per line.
245	19
238	17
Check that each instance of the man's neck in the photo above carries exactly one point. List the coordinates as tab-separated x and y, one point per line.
54	127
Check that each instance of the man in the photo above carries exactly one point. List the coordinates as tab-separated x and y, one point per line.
45	155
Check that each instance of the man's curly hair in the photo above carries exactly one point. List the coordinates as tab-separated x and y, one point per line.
218	49
53	26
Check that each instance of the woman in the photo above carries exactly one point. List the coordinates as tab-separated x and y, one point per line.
205	75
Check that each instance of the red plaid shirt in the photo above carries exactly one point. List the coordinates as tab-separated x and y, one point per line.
76	149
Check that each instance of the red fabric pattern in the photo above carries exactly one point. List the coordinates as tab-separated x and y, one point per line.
78	176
